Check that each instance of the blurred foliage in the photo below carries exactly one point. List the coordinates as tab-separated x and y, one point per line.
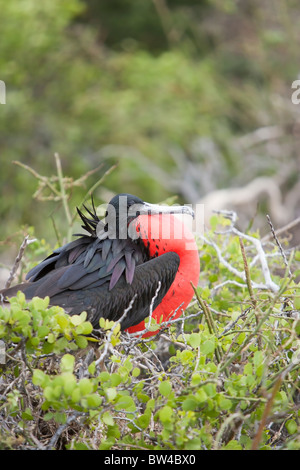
162	89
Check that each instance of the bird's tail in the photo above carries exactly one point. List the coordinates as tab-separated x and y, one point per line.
26	287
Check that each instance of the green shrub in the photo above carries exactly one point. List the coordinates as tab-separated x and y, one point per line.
224	376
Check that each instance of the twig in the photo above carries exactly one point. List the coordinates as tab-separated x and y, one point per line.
278	244
147	327
107	342
230	268
44	179
17	261
229	281
176	343
232	324
210	323
83	178
267	411
249	285
63	194
283	229
259	324
152	304
247	273
238	417
61	429
100	181
269	284
262	257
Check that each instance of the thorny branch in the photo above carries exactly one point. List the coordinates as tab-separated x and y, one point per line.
18	259
108	341
279	244
269	284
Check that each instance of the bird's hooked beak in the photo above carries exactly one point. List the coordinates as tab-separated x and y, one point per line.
151	209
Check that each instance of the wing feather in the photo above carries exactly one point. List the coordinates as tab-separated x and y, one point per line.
110	304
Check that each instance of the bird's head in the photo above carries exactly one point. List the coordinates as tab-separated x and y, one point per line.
124	208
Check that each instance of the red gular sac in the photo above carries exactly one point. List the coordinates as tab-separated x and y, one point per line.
166	233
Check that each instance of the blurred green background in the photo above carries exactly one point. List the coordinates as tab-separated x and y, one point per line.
184	97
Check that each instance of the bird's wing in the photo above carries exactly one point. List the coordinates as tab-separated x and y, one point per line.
92	294
151	282
84	263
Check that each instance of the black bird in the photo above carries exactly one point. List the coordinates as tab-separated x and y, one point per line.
118	261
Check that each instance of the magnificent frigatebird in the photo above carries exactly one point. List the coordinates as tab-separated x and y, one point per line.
140	255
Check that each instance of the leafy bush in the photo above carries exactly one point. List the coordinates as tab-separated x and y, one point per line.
223	376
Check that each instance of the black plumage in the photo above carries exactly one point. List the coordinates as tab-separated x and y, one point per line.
101	274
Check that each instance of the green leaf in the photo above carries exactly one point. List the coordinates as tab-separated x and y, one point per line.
207	347
190	404
143	397
92	368
248	369
232	445
224	403
291	426
128	364
84	328
107	418
297	302
80	446
115	379
34	341
136	372
214	220
40	304
42	331
67	363
258	358
81	342
107	444
125	402
93	400
76	395
104	376
51	338
27	415
85	386
165	388
165	414
78	319
40	378
69	382
196	379
111	393
144	420
194	340
61	344
201	395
